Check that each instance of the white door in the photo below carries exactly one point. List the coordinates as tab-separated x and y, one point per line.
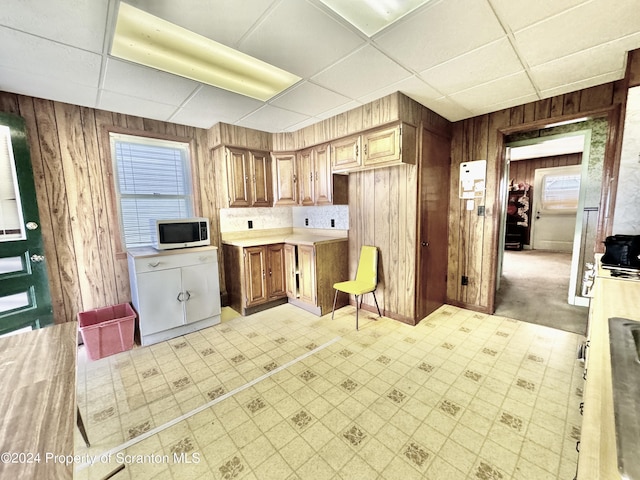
556	192
158	294
200	287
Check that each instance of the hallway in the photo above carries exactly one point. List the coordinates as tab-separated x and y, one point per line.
534	288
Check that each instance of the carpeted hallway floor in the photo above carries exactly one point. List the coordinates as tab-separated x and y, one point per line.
534	288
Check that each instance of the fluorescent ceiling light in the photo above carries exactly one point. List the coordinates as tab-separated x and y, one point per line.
371	16
548	148
148	40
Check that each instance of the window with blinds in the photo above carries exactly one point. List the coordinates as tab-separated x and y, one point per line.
152	181
11	224
560	192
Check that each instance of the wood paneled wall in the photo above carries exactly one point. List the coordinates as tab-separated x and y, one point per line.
383	203
524	170
71	161
473	242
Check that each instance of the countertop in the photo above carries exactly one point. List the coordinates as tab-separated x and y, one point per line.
38	401
141	252
269	237
613	297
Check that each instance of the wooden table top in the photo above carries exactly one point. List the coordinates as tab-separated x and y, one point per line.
38	402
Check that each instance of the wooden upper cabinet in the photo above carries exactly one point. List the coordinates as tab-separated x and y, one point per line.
345	154
249	178
286	184
238	177
262	179
305	177
381	146
323	189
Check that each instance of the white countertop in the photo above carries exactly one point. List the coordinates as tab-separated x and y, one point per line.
140	252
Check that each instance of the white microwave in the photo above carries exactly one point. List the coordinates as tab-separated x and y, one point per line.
181	233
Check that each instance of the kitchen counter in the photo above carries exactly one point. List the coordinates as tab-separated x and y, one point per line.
613	297
38	402
141	252
294	236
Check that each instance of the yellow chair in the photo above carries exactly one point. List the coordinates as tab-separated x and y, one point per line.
366	279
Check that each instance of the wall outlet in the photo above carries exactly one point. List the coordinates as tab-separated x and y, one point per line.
250	224
464	280
333	223
306	222
481	210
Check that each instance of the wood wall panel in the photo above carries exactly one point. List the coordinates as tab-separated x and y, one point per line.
473	239
71	159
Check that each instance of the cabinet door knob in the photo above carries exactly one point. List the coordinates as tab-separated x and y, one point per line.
179	297
188	295
154	264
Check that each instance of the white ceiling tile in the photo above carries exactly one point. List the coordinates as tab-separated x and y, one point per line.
495	92
518	14
581	84
489	62
361	73
597	61
508	103
439	32
309	99
447	108
223	103
47	87
138	81
77	23
273	119
300	38
220	20
115	102
337	111
590	24
36	56
199	118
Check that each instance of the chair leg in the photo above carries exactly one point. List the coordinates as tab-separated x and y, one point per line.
335	297
83	432
376	300
357	310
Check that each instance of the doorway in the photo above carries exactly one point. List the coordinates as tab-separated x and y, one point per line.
25	301
537	281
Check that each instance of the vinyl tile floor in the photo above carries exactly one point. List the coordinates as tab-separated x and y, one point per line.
286	395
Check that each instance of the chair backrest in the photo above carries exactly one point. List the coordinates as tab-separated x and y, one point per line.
368	266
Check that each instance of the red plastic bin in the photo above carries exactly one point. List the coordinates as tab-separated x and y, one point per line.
108	330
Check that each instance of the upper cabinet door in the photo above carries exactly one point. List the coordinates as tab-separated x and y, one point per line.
381	146
238	177
345	154
322	175
305	177
286	184
261	180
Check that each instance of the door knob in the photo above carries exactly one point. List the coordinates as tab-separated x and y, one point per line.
425	244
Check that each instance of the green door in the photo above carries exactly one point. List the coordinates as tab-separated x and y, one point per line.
25	302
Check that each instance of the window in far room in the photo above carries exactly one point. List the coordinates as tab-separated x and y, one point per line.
152	181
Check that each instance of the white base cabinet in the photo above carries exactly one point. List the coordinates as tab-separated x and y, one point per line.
175	292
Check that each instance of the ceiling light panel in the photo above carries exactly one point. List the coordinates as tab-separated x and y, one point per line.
371	16
149	40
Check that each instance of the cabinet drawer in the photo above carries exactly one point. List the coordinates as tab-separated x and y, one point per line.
164	262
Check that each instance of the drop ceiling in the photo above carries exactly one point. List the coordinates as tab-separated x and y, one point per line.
460	58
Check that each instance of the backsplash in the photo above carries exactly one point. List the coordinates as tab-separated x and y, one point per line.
320	217
237	219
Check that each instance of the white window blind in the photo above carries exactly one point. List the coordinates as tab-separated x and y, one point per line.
153	181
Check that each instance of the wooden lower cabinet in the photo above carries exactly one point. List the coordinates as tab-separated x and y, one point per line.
255	277
311	271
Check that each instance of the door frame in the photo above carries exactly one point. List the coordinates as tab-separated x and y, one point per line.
572	298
